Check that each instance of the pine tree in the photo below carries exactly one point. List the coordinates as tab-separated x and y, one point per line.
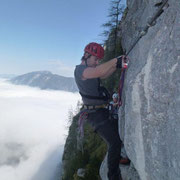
112	26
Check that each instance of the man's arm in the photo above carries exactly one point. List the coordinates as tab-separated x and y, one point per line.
122	62
109	73
101	70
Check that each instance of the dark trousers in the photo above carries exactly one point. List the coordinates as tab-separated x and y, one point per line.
108	130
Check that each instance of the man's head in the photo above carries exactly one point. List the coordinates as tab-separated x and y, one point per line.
93	52
95	49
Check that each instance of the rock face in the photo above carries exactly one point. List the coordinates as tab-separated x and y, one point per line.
150	116
46	80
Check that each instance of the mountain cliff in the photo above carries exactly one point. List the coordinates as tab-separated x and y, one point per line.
149	118
46	80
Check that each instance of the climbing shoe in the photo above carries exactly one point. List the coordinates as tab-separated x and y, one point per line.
124	161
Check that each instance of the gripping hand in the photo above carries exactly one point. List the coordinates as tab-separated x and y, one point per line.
122	62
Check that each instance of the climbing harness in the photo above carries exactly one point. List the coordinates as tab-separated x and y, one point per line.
82	118
94	107
121	81
151	22
121	84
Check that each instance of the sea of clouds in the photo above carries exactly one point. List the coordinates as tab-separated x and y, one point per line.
33	128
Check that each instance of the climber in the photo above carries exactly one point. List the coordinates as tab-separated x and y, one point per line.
95	99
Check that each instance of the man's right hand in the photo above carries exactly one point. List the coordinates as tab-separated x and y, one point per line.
122	62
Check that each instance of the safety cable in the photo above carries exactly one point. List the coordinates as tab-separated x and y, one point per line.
149	24
142	33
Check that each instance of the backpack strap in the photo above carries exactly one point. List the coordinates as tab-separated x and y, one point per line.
103	93
93	97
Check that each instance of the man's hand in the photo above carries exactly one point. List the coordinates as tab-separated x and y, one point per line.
122	62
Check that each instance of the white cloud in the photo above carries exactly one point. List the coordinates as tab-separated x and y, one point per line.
32	129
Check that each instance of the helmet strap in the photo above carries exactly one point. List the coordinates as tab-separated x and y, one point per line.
85	59
86	62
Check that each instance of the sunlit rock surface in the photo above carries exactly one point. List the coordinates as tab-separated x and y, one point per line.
150	115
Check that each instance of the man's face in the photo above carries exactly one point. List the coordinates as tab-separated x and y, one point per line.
93	61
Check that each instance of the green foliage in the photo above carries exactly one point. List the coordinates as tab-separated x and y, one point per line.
94	152
112	26
113	46
112	82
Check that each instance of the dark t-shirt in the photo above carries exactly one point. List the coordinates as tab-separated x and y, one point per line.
87	87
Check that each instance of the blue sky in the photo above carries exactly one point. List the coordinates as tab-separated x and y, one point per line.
48	34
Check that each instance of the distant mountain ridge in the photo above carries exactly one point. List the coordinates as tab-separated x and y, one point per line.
46	80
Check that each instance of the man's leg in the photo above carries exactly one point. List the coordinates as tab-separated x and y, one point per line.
108	130
110	134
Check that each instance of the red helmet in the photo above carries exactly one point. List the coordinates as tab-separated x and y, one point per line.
95	50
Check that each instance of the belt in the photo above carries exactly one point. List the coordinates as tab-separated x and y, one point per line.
90	107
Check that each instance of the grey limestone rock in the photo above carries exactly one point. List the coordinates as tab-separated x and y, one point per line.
149	119
151	111
128	172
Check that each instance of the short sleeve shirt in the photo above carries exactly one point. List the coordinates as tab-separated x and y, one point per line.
87	87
